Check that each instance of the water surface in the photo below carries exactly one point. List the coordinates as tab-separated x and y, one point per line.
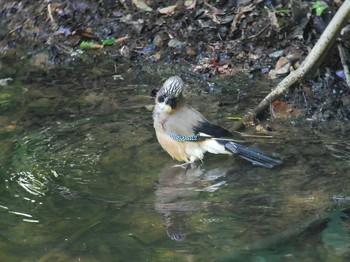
84	179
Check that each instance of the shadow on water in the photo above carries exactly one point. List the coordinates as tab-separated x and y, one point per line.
84	179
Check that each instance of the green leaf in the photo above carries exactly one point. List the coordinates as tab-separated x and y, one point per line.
319	7
267	9
110	41
276	11
86	45
90	45
234	118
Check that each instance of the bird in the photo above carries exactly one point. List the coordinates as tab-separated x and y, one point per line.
186	135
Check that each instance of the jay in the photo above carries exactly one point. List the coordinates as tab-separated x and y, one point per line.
186	135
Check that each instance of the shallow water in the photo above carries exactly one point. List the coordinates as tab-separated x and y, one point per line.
84	179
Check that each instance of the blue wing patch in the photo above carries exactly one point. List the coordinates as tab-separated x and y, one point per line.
180	138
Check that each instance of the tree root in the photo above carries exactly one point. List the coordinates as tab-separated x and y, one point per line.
312	61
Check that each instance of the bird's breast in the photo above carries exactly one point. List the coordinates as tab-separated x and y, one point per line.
181	151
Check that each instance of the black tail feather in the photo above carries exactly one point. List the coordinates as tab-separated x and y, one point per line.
254	156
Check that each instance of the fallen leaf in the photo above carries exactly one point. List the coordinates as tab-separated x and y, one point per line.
272	74
63	31
214	63
283	110
190	4
89	45
121	39
156	57
254	56
283	65
190	51
260	129
276	54
109	41
308	91
274	21
175	43
142	5
167	10
240	14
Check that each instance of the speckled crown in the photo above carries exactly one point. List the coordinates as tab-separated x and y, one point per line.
173	86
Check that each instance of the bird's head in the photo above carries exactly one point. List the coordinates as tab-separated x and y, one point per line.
169	95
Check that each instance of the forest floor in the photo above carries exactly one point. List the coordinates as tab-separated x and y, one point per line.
265	39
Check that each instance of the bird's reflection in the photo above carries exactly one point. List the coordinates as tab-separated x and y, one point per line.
177	193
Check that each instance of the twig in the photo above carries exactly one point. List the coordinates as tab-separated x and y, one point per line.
258	33
311	61
49	11
344	61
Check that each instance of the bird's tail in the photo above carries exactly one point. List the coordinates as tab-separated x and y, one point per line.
254	156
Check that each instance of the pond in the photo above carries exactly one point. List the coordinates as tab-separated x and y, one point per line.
84	179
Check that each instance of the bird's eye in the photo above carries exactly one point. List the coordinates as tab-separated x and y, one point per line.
161	99
173	103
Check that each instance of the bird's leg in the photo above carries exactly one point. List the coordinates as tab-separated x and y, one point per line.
184	165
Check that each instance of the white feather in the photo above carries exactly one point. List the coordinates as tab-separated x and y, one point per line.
194	151
204	134
214	147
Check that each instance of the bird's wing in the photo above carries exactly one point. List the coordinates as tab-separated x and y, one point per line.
187	124
180	125
207	129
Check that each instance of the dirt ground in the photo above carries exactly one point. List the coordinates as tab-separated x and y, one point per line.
263	38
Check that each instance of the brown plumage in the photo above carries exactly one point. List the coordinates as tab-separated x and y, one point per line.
186	135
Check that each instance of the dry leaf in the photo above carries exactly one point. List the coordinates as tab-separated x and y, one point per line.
175	43
190	4
272	74
274	21
156	57
142	5
240	14
282	66
282	110
167	10
253	56
191	51
122	39
260	129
